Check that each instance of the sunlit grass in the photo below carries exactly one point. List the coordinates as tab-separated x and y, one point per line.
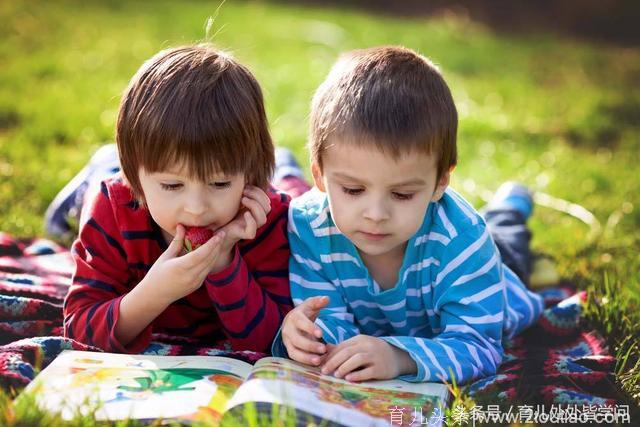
24	411
613	313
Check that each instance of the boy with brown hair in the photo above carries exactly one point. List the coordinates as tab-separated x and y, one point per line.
196	156
394	274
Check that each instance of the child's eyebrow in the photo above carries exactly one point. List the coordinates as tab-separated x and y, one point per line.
406	183
410	182
168	175
181	176
341	175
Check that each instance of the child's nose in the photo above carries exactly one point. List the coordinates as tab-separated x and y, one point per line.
377	211
195	205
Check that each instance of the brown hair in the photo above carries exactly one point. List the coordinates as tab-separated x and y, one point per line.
390	97
197	106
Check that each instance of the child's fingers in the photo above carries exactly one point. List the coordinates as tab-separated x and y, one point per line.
256	209
311	307
205	255
303	357
212	249
176	245
307	344
337	357
250	227
304	323
354	362
258	195
368	373
213	242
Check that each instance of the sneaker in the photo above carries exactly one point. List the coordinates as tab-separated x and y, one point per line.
288	176
286	165
512	195
63	214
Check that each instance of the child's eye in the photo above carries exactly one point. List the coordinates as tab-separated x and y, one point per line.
170	187
402	196
352	191
221	184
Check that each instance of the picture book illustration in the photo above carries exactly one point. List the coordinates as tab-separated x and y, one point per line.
204	388
288	383
116	386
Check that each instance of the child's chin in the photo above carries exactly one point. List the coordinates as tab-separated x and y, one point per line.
372	249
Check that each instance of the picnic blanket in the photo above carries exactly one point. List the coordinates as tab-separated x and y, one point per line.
34	277
557	361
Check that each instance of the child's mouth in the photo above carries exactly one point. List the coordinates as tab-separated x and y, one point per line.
374	236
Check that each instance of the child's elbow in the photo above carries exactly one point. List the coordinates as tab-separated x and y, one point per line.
492	361
68	320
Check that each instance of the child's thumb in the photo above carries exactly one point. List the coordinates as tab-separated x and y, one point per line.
176	245
320	302
316	304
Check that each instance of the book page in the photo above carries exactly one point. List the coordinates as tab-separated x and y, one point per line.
285	382
120	386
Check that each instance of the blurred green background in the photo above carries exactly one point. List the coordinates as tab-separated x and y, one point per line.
559	114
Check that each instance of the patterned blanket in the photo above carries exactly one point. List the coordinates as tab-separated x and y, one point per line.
557	361
34	277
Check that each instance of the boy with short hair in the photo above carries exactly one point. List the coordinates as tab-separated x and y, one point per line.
196	153
393	273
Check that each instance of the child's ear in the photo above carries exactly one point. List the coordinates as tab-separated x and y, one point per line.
442	185
317	176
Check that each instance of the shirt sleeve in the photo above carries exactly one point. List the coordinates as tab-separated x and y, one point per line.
308	279
251	295
466	301
100	280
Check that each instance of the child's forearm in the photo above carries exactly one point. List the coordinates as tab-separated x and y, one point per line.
138	309
406	365
249	303
224	259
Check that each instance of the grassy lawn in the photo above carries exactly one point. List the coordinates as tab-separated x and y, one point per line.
561	116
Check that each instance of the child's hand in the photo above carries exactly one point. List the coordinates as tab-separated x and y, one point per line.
251	216
364	357
176	276
300	335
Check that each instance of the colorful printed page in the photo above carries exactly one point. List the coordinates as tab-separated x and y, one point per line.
374	403
119	386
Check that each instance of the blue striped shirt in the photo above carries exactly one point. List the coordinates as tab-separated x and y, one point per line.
453	302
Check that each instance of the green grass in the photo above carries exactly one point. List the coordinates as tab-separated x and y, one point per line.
24	412
559	115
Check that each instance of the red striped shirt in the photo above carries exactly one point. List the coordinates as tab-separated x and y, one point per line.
244	303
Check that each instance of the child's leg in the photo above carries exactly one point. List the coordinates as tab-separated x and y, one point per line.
66	207
288	176
506	216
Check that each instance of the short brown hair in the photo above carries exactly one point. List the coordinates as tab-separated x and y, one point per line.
390	97
197	106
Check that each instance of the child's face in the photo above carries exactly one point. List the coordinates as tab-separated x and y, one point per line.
376	201
173	198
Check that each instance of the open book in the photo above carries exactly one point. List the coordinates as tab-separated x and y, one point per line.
206	388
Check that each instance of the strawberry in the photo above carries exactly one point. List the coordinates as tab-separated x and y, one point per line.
195	237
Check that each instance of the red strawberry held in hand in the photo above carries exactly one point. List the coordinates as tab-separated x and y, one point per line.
195	237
